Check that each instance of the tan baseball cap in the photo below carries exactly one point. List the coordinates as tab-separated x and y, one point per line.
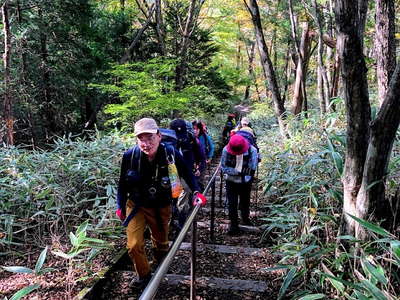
245	121
146	125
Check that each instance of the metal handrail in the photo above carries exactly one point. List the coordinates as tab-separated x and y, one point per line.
151	289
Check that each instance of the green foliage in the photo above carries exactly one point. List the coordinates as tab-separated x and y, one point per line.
23	292
59	47
375	278
74	180
144	91
81	243
302	178
39	270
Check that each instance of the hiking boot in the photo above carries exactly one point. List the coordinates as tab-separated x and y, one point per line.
233	230
141	282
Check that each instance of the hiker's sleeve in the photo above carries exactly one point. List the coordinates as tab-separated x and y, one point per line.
185	173
122	191
210	154
254	158
201	155
198	152
224	168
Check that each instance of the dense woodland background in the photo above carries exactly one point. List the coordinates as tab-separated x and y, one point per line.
321	78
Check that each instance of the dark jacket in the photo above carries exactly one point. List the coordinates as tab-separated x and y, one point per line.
139	177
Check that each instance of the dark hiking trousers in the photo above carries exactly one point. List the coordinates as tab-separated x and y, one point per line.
234	191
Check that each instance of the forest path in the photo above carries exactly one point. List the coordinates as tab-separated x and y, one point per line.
228	267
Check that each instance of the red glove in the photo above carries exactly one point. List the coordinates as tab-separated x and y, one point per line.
199	198
120	214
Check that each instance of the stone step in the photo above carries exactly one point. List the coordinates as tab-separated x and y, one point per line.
212	282
219	283
225	249
207	209
224	224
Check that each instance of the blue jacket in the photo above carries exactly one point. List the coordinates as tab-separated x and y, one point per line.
250	161
205	141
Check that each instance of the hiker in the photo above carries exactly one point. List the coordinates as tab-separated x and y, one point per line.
207	145
238	163
149	173
230	124
205	140
245	126
188	145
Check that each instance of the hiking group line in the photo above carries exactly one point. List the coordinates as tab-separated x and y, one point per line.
160	182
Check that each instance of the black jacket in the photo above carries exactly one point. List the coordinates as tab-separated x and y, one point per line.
139	177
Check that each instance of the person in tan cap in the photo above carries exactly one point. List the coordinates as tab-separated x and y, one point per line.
244	126
144	195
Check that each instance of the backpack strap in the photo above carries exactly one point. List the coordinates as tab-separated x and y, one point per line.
136	158
169	153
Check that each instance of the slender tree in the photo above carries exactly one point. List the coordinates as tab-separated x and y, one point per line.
267	66
189	27
8	105
303	55
385	46
323	82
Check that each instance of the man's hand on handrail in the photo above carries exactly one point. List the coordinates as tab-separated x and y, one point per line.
199	198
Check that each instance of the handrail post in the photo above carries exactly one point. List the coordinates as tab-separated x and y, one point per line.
193	261
256	180
212	217
221	185
151	289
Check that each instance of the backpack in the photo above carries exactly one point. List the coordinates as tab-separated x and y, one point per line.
190	129
184	138
229	125
168	137
207	143
249	137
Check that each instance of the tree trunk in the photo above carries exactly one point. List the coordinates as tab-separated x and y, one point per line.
160	28
329	50
335	77
371	199
323	87
190	24
22	75
8	105
267	66
137	37
320	86
385	47
301	71
350	27
250	55
287	70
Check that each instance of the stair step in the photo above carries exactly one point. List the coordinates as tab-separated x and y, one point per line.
225	210
224	249
225	224
220	283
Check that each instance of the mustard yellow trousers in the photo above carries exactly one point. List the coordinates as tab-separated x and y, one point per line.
159	227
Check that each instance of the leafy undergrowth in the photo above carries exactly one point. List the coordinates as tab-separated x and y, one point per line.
65	279
302	177
62	198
